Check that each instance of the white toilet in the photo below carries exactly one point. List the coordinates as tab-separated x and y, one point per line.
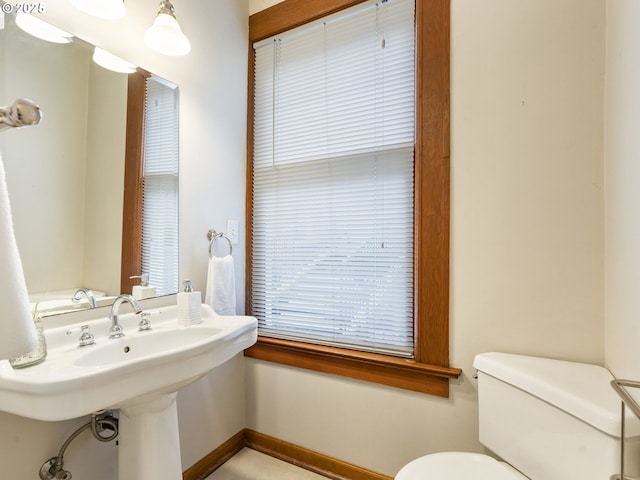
546	419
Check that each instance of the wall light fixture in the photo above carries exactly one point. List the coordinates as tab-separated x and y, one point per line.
111	62
41	29
165	35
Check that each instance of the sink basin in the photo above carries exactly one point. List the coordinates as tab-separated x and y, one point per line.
116	373
139	347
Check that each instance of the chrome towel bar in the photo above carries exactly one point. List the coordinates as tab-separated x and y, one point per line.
212	235
627	400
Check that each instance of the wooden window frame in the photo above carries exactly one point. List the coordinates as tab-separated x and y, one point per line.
429	372
131	262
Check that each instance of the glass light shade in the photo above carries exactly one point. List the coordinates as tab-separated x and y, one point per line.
111	62
41	29
165	36
107	9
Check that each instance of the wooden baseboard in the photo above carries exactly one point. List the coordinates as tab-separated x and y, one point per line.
301	457
214	460
308	459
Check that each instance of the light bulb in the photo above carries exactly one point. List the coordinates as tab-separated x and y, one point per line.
164	35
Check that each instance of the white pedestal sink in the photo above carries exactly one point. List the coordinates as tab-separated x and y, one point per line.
139	374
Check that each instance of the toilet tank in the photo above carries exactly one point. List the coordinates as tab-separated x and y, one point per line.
553	419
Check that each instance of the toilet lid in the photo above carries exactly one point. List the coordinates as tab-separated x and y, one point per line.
457	465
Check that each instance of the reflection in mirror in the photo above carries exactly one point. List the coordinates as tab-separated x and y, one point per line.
66	175
150	234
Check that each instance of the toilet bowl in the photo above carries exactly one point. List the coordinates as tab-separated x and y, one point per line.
458	465
544	419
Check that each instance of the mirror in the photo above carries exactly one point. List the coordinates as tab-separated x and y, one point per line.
65	176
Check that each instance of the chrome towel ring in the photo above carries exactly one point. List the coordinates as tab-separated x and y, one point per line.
212	235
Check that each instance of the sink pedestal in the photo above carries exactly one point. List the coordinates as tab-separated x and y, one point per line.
149	442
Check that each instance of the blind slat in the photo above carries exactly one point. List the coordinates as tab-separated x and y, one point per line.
332	212
160	188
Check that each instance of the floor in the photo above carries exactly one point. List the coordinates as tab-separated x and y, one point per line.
251	465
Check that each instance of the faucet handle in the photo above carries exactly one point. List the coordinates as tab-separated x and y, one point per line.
86	337
116	331
145	323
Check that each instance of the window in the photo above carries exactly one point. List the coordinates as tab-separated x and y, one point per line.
378	243
160	187
150	211
333	181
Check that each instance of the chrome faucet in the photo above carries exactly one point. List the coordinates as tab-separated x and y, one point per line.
116	329
87	293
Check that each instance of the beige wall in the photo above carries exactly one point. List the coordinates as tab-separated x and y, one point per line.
65	175
527	261
527	258
212	82
106	135
47	218
622	173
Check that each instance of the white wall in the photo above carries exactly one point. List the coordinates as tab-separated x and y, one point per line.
45	165
106	124
212	80
527	252
527	228
65	175
622	173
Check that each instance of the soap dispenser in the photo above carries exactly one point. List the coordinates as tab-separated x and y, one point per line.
189	305
144	290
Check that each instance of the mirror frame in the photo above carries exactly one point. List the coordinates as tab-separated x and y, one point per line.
131	257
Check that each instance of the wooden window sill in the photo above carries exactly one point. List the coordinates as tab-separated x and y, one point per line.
372	367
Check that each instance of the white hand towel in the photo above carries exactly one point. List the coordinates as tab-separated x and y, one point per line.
221	285
17	330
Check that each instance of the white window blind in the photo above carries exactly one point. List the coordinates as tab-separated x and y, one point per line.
160	186
332	208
